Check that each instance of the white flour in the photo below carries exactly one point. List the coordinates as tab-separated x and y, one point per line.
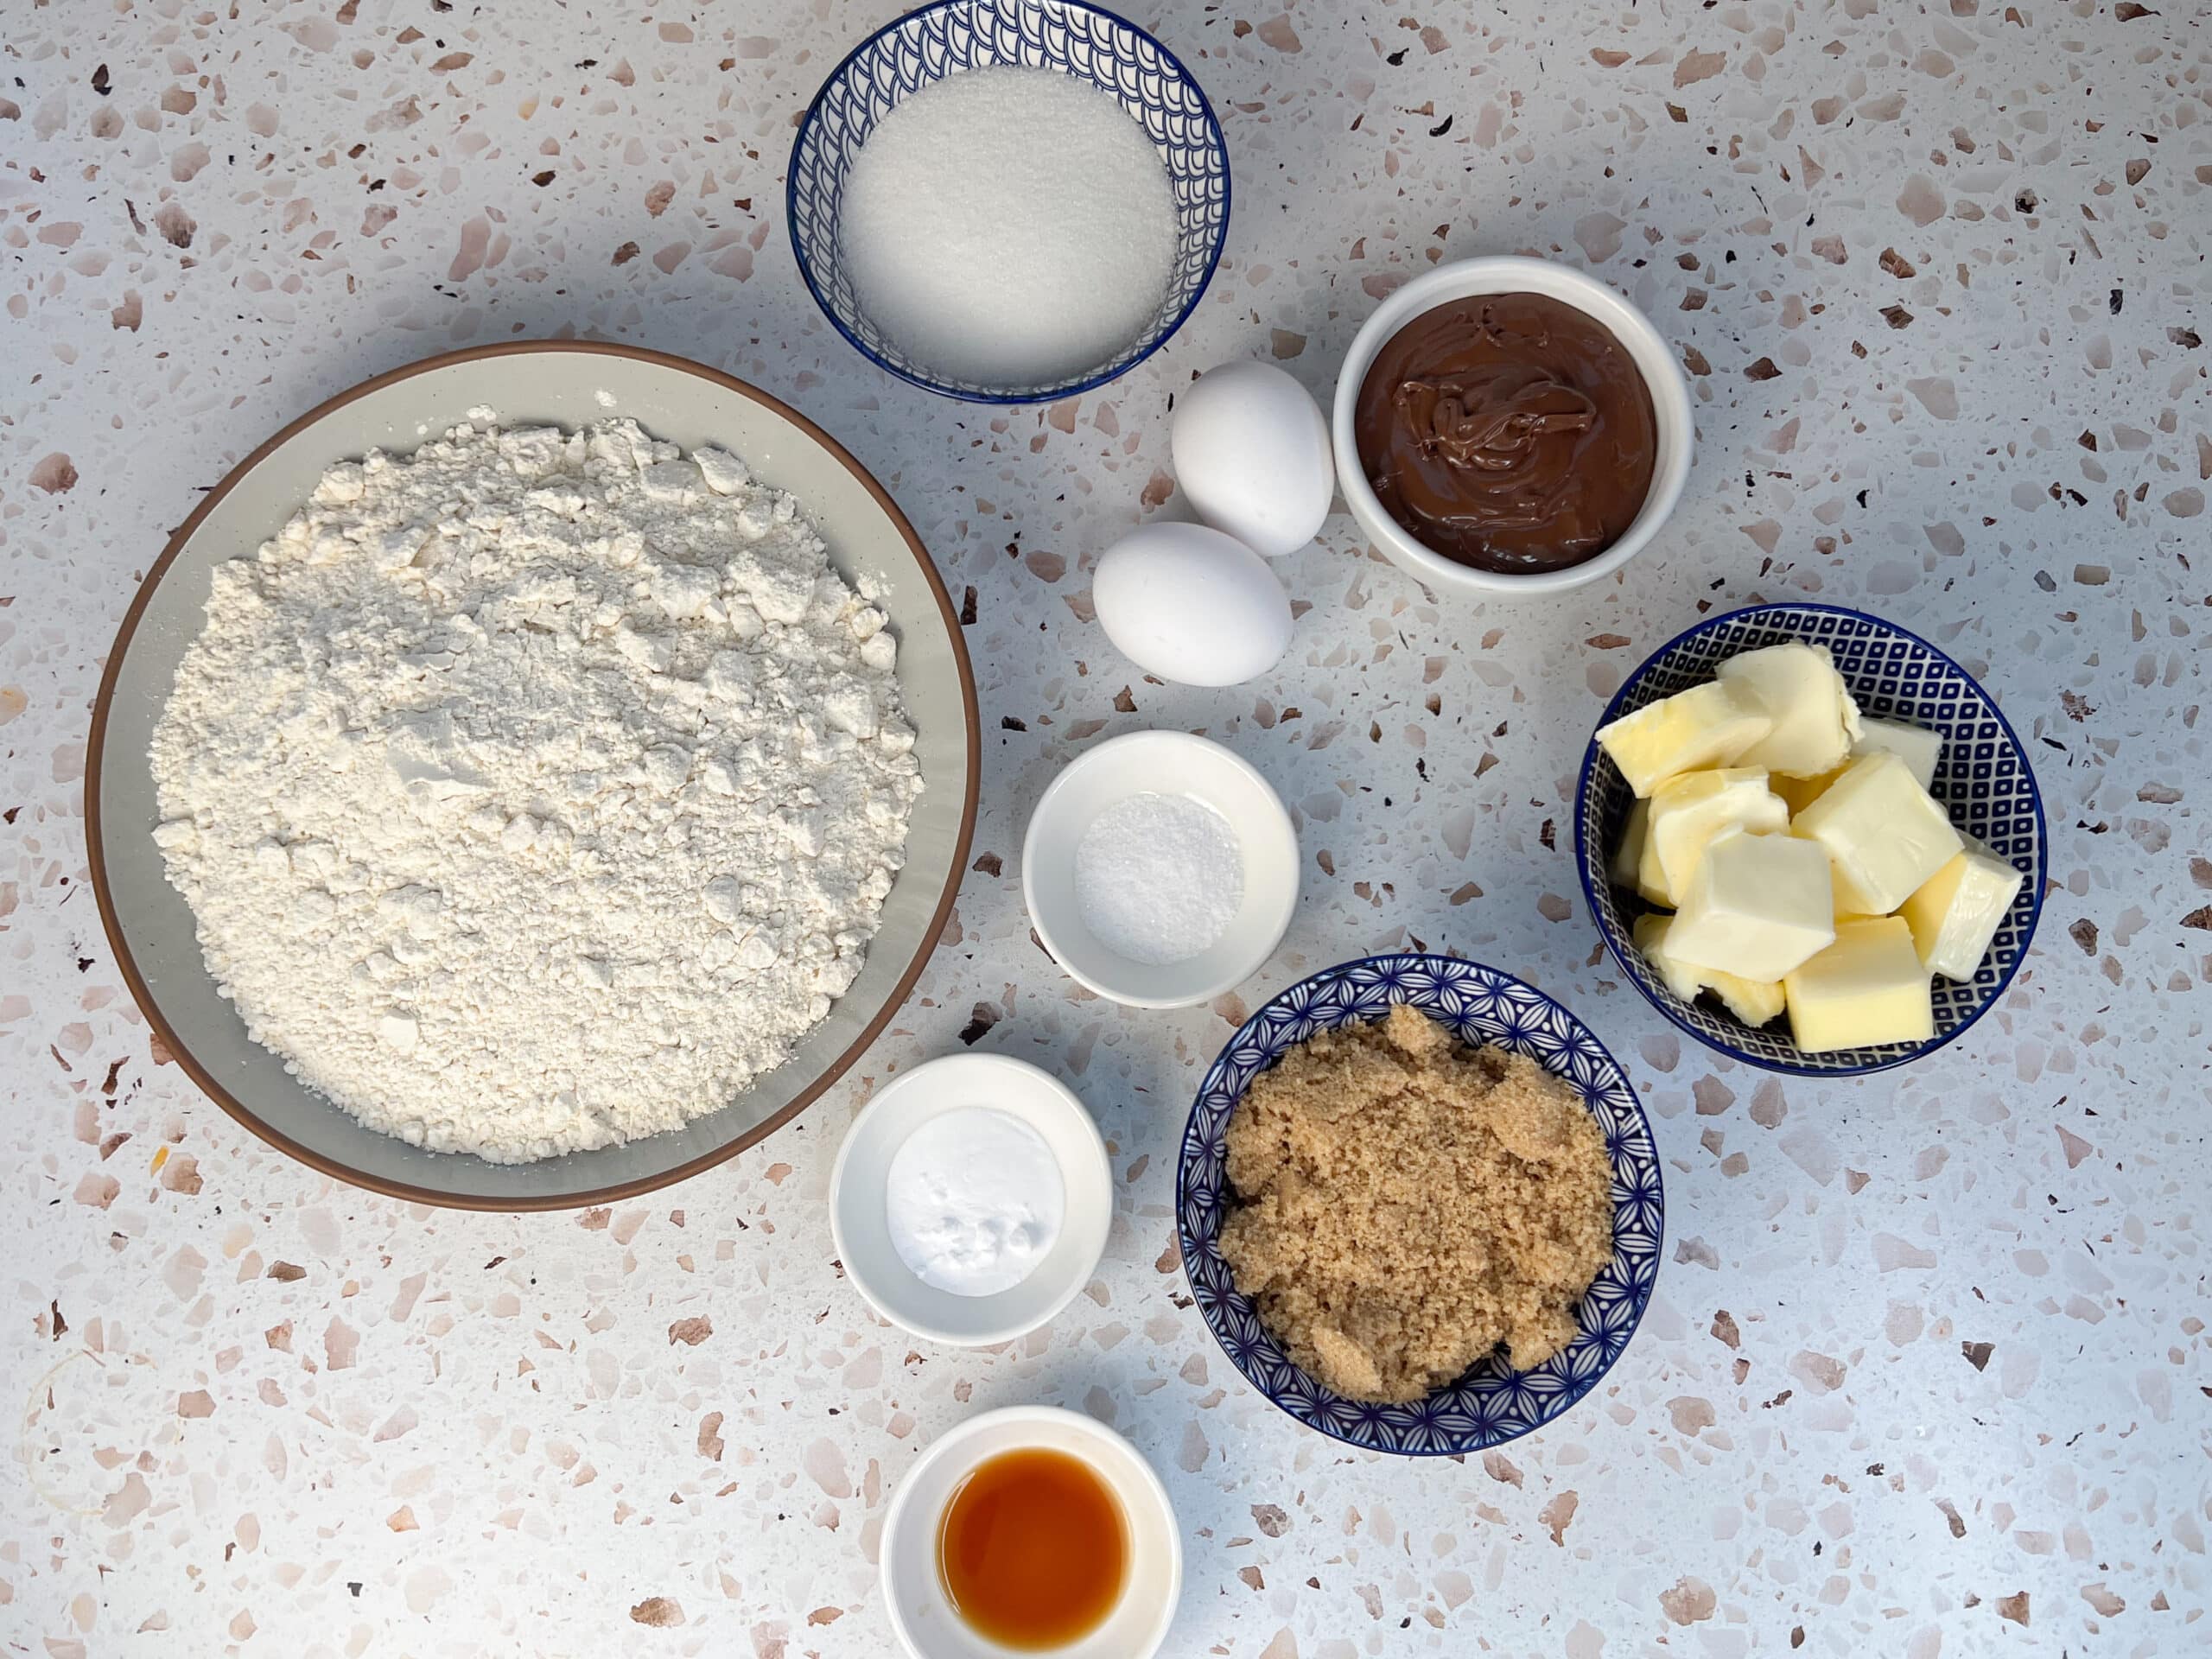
536	791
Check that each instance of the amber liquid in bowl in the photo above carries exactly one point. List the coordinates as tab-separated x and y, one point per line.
1033	1549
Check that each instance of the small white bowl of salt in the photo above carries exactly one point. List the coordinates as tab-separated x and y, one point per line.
1160	870
971	1199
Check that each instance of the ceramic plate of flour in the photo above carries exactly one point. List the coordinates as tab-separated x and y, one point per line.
531	777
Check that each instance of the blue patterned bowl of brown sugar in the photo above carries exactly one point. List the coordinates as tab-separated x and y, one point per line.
1425	1317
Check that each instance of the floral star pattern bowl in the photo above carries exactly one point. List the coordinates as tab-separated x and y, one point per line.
1983	781
1492	1403
1085	42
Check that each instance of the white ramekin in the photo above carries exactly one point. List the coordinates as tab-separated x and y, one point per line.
1509	274
913	1592
860	1222
1171	763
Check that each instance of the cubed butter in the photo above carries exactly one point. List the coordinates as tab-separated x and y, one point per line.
1798	794
1630	850
1814	719
1957	911
1869	986
1689	811
1918	747
1651	880
1754	1001
1708	725
1756	907
1883	832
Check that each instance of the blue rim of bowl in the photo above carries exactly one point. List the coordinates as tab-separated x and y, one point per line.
1074	388
1593	755
1183	1243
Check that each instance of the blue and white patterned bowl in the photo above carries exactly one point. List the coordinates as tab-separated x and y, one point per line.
1491	1404
1983	780
924	47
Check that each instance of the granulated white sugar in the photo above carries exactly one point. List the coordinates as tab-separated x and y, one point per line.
1009	226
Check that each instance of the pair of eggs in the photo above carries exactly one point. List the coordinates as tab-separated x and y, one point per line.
1199	604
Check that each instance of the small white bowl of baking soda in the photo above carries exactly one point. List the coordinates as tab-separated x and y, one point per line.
1160	870
970	1200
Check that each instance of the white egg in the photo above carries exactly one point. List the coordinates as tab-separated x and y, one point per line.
1192	605
1252	453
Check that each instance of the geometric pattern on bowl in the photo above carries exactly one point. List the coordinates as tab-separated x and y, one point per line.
1491	1403
925	47
1983	780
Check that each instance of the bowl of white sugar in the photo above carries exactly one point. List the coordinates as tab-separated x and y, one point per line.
1160	870
1008	200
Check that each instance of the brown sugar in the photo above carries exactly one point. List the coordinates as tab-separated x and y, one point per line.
1408	1204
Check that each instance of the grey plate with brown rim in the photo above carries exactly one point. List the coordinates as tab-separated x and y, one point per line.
569	384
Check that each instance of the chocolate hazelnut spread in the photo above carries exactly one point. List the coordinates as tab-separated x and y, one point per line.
1509	432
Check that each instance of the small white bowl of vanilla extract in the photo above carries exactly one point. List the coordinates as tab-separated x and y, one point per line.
1031	1530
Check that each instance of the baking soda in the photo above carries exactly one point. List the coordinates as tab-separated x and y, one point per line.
974	1200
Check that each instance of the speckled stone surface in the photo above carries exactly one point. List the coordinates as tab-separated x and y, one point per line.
1926	1372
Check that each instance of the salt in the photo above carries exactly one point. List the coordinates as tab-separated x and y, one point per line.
1009	226
974	1200
1159	878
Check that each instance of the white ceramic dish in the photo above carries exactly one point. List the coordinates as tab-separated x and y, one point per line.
926	1622
569	384
862	1232
1168	763
1510	274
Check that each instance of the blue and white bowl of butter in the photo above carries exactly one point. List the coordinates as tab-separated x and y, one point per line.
1087	43
944	1204
1982	780
1492	1403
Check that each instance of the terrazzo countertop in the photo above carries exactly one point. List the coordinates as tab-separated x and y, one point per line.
1926	1370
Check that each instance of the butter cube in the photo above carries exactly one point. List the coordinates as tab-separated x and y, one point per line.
1815	722
1754	1001
1708	725
1869	986
1689	811
1630	853
1651	880
1918	747
1798	794
1756	907
1957	911
1883	832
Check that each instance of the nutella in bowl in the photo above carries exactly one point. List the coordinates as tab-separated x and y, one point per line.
1510	425
1510	432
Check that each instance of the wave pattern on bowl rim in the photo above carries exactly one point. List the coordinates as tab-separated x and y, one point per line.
1492	1403
925	47
1984	781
